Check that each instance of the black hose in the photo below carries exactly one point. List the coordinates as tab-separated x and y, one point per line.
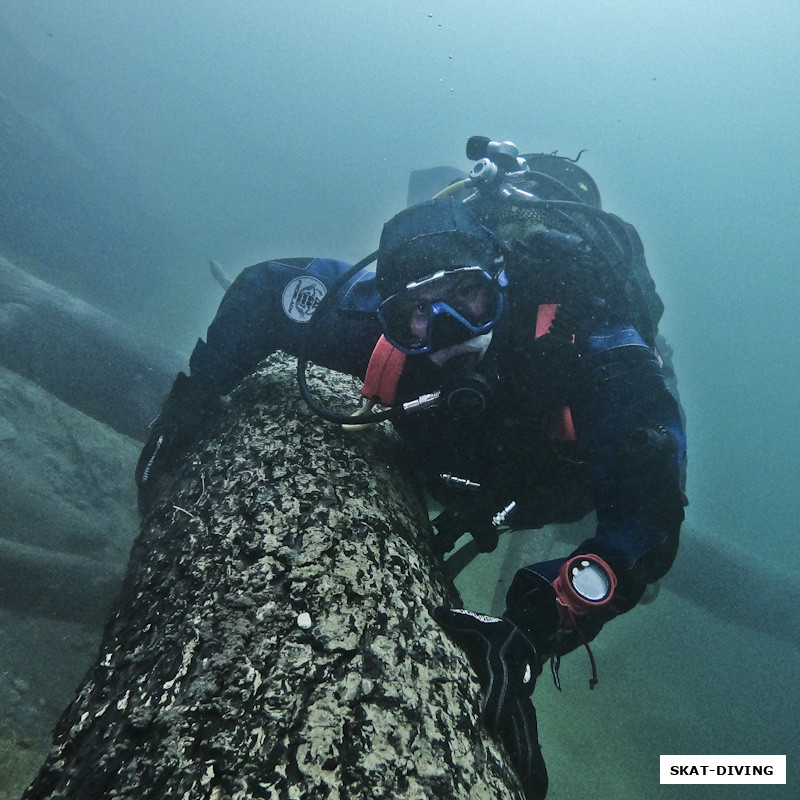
303	358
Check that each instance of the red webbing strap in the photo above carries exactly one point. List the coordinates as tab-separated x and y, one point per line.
559	425
385	367
544	318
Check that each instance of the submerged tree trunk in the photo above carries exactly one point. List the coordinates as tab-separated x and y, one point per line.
273	636
81	355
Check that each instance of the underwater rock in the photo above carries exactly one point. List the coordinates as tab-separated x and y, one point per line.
207	686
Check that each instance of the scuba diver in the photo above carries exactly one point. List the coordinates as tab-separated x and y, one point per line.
509	331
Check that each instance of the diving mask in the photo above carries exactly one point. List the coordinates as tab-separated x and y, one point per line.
441	310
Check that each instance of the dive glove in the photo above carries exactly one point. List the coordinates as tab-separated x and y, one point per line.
507	665
189	407
451	525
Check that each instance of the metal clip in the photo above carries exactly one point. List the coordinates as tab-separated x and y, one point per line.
462	483
501	516
421	403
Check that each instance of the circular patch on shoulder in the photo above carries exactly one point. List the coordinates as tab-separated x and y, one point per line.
302	296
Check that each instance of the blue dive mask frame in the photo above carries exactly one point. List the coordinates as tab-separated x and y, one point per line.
448	322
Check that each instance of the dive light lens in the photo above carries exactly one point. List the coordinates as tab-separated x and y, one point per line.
589	580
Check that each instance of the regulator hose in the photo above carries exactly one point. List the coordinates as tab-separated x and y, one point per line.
303	358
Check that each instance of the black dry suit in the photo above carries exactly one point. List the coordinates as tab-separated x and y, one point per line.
575	408
579	414
571	407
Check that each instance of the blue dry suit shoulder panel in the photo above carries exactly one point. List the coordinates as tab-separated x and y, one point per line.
270	306
619	336
614	336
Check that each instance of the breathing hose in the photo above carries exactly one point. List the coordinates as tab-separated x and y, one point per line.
366	417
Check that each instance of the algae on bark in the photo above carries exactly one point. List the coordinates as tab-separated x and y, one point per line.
210	680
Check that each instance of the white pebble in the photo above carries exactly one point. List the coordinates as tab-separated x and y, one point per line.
304	620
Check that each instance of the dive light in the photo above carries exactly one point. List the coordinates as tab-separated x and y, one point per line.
584	584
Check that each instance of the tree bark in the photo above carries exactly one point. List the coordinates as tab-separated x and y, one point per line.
273	636
81	355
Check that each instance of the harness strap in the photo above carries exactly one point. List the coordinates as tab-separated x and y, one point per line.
385	367
559	424
545	315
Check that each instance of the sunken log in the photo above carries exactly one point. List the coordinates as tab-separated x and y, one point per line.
273	637
56	585
81	355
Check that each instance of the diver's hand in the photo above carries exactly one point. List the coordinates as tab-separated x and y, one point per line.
451	525
188	409
502	656
158	455
506	663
